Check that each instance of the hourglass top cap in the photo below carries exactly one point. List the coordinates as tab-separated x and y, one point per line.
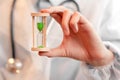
40	14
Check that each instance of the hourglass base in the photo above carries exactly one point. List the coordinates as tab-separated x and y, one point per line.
40	49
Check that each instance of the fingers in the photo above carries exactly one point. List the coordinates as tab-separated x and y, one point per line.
68	18
65	21
62	15
74	21
57	17
57	9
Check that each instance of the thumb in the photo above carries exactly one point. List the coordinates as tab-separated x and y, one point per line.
55	52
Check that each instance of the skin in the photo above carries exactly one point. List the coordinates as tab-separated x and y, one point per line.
80	41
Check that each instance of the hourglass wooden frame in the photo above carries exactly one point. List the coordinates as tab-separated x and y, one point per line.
44	21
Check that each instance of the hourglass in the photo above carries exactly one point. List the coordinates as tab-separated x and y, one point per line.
39	26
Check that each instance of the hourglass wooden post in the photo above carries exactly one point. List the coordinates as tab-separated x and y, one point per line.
39	27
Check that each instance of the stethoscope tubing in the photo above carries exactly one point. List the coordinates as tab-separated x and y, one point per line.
77	6
12	29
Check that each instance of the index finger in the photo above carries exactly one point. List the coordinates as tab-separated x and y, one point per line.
56	9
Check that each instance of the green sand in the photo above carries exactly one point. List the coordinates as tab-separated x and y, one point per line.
41	46
40	26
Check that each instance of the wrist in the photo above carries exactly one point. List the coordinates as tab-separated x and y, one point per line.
105	59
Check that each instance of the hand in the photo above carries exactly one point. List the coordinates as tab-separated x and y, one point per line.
80	40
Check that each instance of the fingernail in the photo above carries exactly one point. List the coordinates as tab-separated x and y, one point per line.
76	28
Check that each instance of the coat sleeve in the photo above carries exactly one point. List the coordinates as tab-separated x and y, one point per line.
107	72
110	71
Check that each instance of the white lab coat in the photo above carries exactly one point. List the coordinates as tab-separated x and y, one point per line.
103	14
